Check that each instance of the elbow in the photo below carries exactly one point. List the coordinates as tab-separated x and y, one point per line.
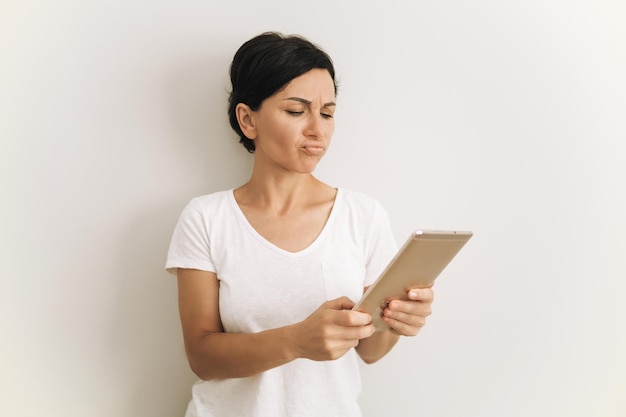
205	370
209	368
370	359
201	373
200	370
200	365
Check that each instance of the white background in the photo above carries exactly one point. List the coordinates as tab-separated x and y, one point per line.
503	117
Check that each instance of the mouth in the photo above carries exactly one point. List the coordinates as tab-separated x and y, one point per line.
313	149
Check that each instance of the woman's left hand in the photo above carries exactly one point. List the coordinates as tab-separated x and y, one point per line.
407	317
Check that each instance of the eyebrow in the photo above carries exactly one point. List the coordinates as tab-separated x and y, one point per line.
308	102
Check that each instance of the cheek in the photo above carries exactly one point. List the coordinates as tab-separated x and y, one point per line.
330	135
330	130
278	133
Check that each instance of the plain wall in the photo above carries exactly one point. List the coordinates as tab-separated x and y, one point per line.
503	117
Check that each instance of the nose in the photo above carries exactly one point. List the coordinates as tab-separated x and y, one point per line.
314	128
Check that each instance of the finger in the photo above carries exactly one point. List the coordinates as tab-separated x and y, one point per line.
421	294
402	317
401	329
417	308
351	318
358	333
404	323
341	303
349	334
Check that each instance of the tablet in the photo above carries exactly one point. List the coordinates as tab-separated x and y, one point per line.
417	264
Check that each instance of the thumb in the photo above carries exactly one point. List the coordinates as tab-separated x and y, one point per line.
341	303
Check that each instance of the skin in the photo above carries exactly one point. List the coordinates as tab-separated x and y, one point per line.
292	132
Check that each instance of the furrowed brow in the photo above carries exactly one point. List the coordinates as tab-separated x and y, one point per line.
308	102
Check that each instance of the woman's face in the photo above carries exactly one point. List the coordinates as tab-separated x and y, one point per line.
293	127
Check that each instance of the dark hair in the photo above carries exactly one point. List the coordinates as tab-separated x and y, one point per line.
264	65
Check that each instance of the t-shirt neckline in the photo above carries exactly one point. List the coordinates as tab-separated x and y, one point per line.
258	236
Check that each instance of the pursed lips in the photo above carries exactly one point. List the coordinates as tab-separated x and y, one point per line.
313	148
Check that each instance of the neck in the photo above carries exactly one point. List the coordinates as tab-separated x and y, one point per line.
282	194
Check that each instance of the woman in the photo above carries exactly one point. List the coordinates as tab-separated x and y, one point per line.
268	272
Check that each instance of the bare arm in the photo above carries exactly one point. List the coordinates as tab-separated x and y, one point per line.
405	317
378	345
327	334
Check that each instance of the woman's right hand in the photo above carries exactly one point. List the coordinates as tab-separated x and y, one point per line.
330	331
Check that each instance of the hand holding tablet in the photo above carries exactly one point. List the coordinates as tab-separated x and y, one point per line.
417	264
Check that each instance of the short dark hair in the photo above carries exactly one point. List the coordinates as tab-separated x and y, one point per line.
264	65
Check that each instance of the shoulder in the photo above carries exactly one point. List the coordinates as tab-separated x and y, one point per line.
202	209
211	200
209	203
360	202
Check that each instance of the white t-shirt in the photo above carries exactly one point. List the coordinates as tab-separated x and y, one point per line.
263	287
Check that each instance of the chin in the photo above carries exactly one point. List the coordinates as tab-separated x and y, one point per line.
306	169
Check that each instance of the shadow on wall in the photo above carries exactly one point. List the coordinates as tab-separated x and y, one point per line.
204	147
149	339
204	156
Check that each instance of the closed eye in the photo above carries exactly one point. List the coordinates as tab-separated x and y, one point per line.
294	112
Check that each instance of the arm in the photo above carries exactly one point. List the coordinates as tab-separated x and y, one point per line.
378	345
405	317
326	334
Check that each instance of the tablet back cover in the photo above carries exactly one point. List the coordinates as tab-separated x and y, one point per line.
418	263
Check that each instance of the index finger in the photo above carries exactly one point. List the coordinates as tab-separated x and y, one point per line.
341	303
353	318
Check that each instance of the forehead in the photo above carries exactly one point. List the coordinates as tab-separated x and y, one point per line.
315	84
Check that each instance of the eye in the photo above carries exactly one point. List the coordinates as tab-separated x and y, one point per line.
327	115
294	112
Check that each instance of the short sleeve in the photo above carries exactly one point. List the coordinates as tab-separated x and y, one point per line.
190	245
381	245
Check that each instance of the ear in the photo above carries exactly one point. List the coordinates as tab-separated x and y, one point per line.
245	117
